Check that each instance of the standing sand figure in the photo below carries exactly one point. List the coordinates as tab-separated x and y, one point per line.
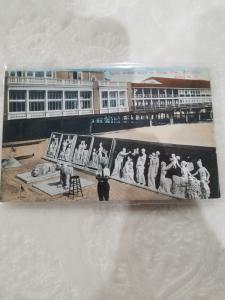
165	183
179	186
118	163
204	180
128	171
153	169
85	155
94	161
141	167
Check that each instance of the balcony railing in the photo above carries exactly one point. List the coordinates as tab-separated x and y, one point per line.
48	81
107	83
171	106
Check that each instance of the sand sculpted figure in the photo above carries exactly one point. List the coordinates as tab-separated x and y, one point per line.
175	161
100	156
193	188
179	186
119	162
79	153
43	169
65	174
128	171
140	167
94	161
104	159
165	183
100	150
153	169
67	153
204	180
85	155
66	149
53	146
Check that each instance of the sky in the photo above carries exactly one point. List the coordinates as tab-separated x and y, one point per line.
138	74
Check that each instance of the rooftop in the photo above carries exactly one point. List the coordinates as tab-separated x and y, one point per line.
173	82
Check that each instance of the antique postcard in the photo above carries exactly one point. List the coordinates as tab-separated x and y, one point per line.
109	134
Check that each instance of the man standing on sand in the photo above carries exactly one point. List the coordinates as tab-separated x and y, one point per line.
102	175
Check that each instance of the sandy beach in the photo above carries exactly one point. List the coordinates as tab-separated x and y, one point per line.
200	134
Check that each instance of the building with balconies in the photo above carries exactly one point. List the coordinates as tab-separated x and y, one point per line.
166	92
54	94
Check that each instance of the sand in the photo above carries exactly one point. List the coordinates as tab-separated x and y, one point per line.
200	134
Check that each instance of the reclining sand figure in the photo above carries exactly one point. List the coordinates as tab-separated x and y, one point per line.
43	169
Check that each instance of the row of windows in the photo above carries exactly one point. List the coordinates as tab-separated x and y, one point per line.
113	94
39	94
52	105
113	99
31	74
162	93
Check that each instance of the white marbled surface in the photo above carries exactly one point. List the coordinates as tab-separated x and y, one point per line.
106	251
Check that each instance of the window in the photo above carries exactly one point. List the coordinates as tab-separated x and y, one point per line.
36	100
17	100
122	94
17	95
112	103
13	74
147	93
104	95
71	95
36	95
54	105
85	104
161	93
39	74
197	93
75	75
122	101
71	101
36	106
113	96
85	99
138	93
175	93
147	102
71	104
154	93
49	74
30	74
55	95
169	93
16	106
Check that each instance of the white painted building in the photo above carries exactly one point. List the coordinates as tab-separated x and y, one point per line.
162	92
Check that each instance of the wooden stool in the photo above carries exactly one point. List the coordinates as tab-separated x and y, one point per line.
75	186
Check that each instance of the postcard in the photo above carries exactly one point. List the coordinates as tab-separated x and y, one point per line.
109	134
